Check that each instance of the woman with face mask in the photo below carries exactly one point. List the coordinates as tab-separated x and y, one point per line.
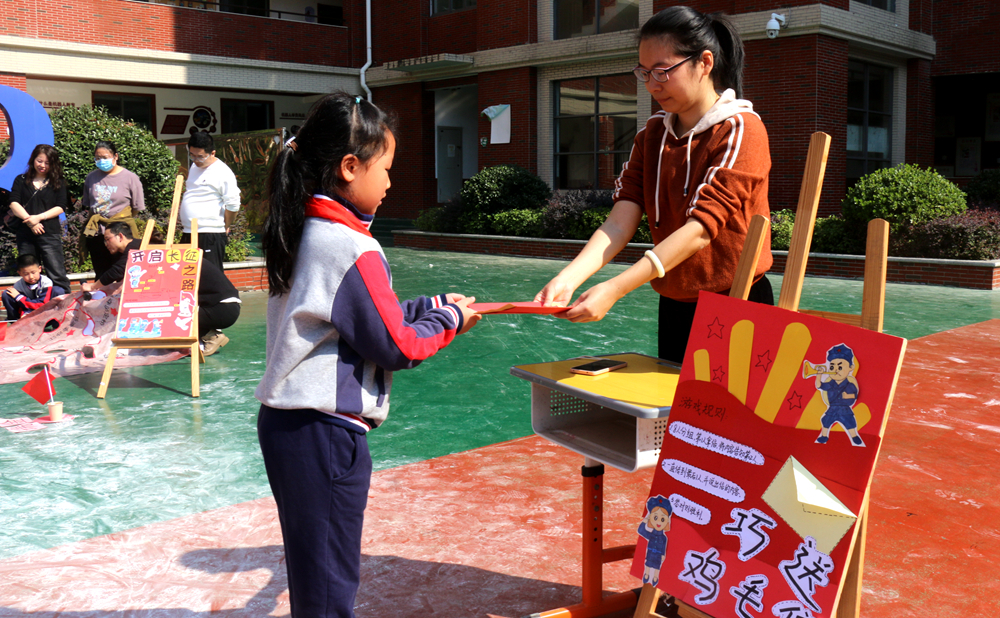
111	193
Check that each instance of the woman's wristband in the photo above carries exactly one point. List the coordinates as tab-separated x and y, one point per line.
656	264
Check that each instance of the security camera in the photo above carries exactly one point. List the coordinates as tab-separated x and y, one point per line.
774	25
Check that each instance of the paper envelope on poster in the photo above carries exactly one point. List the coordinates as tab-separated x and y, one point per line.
808	506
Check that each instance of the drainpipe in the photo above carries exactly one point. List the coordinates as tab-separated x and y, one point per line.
368	34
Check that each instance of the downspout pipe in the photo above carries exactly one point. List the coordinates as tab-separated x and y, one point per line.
368	38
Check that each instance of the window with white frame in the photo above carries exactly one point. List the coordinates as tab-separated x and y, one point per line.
595	123
447	6
575	18
869	119
885	5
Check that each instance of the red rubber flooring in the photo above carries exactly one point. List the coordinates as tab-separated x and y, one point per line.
495	532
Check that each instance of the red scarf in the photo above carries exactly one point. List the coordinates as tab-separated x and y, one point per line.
336	212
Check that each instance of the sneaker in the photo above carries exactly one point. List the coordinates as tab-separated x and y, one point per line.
822	440
212	342
857	441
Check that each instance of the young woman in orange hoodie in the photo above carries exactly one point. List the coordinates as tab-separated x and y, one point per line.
698	170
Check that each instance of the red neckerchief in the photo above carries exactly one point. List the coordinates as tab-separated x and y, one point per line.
336	212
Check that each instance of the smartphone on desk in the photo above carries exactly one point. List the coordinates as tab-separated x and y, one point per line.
598	367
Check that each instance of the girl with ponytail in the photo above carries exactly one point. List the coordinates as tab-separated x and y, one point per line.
335	334
698	170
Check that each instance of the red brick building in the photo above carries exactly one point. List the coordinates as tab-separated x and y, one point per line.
892	81
177	66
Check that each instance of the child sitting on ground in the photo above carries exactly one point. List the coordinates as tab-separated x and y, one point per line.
32	291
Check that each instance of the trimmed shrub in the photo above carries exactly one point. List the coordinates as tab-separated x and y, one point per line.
836	235
525	222
984	189
442	219
564	215
78	129
238	246
503	187
974	235
902	195
782	222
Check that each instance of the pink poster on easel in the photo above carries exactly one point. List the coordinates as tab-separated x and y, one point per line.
159	293
766	460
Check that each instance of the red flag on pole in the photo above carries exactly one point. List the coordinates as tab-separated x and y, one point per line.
40	387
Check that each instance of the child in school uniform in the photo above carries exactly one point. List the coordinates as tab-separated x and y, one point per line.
32	291
335	334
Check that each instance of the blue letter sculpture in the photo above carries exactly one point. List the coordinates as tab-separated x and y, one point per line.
29	125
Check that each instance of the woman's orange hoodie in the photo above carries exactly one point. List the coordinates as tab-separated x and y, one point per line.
715	173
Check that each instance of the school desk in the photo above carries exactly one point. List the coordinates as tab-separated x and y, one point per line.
616	418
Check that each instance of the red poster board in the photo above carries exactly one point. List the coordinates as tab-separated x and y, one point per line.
766	461
160	293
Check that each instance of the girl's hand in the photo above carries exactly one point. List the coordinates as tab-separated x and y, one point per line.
38	229
454	298
592	304
32	221
469	317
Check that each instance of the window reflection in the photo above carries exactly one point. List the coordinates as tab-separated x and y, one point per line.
595	125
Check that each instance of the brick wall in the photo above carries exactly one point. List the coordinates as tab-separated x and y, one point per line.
451	33
976	275
922	16
519	89
249	278
968	38
504	23
414	186
400	33
919	113
14	80
792	84
141	25
734	7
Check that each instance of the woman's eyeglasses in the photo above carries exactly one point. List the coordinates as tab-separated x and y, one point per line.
660	75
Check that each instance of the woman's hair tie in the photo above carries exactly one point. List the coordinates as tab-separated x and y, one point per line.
291	144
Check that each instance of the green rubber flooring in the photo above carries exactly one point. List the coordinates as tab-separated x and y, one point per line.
150	452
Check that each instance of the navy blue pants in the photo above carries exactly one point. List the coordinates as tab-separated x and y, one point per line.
676	318
319	473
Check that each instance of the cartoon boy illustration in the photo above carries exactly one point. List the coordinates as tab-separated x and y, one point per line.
839	389
654	529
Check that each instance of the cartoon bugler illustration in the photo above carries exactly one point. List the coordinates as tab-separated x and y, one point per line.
839	388
654	529
135	274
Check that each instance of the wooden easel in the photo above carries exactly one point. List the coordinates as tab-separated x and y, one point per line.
871	318
193	342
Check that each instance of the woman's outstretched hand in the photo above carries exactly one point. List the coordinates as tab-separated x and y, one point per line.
556	293
593	304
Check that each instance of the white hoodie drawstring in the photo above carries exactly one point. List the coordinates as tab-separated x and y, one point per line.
687	176
659	166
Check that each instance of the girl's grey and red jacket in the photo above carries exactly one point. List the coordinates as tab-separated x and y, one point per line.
335	338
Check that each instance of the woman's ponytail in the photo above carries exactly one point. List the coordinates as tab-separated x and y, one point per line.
729	60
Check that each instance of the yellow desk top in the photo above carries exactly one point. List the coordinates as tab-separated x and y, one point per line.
646	384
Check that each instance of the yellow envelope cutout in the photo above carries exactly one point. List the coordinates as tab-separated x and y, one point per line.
808	506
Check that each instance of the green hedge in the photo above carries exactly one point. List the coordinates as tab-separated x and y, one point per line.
903	195
928	211
77	130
